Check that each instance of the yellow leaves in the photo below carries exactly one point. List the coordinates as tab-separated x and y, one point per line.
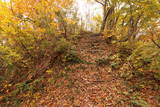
69	21
5	13
54	25
97	18
31	7
7	85
32	17
49	71
40	30
65	3
37	95
108	33
6	18
140	69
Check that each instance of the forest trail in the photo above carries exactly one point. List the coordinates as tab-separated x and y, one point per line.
79	53
93	47
89	85
86	85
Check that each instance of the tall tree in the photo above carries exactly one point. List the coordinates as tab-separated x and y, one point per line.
108	9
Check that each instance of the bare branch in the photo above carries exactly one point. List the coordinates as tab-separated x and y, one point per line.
155	43
99	2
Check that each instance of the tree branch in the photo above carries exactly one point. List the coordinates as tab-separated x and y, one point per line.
99	2
155	43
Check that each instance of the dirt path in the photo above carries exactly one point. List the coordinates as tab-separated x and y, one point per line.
88	85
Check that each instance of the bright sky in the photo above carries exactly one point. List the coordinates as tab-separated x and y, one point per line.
88	10
85	7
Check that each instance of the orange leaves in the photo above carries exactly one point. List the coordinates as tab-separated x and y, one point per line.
41	11
38	16
28	7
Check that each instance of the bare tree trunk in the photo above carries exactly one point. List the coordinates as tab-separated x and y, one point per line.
106	14
104	19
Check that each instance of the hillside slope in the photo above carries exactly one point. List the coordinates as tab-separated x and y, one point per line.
90	85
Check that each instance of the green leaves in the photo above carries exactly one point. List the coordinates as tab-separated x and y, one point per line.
8	56
139	103
62	45
146	56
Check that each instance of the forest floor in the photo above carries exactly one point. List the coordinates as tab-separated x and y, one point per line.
90	85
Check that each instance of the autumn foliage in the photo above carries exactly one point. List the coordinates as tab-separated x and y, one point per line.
39	35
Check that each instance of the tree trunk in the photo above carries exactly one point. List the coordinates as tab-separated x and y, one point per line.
104	19
106	14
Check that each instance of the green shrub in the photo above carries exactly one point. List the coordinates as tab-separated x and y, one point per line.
32	87
125	50
8	60
115	65
72	57
115	61
62	45
157	76
139	103
103	61
146	57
